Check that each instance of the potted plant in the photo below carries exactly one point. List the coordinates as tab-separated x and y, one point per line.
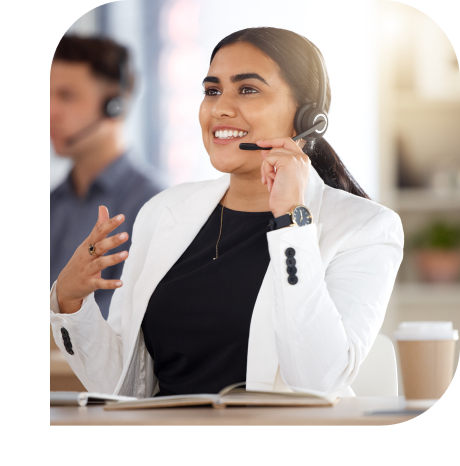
437	251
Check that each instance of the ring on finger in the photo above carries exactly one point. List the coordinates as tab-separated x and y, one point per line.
92	250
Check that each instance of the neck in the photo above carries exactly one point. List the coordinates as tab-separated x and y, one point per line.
88	165
247	194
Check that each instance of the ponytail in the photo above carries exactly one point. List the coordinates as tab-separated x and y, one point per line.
330	168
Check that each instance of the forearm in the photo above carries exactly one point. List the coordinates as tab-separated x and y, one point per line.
326	323
97	351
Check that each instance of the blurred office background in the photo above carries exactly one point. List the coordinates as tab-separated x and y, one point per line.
394	119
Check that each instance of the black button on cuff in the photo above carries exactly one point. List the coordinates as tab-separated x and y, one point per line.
69	349
290	261
66	340
292	279
291	269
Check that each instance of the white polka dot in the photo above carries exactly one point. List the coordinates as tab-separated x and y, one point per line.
12	398
236	454
11	230
12	454
123	454
11	342
291	454
11	285
68	454
180	454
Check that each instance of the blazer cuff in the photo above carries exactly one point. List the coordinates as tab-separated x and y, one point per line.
54	304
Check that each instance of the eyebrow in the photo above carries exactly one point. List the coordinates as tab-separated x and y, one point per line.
236	78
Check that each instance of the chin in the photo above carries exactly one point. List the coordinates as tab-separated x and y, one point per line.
59	149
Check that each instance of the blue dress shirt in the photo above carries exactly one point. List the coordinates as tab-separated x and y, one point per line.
123	190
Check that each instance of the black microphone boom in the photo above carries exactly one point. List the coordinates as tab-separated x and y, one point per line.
250	146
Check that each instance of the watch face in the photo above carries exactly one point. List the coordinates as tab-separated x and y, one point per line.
301	216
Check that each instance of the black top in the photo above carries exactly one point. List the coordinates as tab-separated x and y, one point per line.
196	326
123	189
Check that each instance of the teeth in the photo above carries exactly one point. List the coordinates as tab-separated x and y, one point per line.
228	134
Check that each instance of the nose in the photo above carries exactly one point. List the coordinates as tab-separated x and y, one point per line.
225	106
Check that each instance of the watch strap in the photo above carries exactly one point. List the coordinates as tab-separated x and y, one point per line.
280	222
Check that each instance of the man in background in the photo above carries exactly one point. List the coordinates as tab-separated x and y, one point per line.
91	82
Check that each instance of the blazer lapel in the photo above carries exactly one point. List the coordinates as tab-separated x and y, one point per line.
177	227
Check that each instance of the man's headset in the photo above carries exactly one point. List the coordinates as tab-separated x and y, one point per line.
310	119
113	107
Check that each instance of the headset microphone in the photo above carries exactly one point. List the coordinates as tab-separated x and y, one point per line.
310	119
112	107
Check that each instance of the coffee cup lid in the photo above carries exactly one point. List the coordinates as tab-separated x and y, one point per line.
426	331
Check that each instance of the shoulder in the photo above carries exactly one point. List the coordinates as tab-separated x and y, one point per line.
170	197
137	189
356	208
146	186
350	215
175	194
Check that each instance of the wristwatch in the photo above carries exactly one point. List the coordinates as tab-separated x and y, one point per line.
298	216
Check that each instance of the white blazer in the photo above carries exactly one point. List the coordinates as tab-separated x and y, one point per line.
310	336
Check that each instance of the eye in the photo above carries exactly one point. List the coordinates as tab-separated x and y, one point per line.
211	92
206	91
248	90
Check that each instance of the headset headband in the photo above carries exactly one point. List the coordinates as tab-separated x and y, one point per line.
123	69
320	66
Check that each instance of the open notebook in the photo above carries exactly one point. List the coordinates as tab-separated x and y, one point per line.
83	398
229	396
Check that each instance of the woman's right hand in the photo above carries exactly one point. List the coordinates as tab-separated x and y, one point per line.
82	274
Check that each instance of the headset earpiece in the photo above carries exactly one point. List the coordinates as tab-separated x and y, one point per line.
312	114
306	117
299	121
114	107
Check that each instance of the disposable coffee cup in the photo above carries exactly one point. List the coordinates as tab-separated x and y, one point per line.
426	353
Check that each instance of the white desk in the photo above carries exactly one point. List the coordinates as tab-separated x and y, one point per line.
348	411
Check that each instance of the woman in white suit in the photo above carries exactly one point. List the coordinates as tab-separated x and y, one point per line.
278	273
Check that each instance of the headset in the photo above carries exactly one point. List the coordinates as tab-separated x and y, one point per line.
310	119
112	108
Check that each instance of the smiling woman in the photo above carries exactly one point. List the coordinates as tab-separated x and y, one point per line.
278	75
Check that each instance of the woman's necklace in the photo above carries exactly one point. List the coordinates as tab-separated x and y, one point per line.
225	199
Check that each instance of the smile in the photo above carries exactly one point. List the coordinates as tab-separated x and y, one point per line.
229	134
227	137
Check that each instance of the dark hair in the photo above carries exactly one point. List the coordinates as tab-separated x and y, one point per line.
105	57
293	54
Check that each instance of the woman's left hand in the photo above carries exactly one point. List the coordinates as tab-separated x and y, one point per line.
285	171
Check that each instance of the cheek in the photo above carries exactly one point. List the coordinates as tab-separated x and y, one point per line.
204	116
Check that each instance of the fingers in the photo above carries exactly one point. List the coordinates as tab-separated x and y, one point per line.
268	174
112	242
103	214
102	263
286	143
102	284
103	228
